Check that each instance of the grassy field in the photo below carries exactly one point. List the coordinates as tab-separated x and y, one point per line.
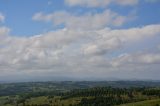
77	93
45	100
55	101
155	102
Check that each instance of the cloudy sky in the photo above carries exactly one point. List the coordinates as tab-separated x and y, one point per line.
79	39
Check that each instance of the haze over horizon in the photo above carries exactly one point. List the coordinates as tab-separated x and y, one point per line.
79	39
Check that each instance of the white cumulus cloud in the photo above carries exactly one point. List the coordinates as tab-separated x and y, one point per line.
99	3
2	17
75	52
86	22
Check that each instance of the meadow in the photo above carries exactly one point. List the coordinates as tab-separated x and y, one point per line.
70	93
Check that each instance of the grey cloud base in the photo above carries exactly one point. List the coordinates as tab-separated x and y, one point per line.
77	53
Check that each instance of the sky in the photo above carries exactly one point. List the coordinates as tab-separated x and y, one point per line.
79	40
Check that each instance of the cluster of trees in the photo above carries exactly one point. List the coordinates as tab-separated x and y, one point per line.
102	101
152	92
101	91
108	96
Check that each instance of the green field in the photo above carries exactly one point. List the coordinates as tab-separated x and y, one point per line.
74	101
42	100
80	94
155	102
54	101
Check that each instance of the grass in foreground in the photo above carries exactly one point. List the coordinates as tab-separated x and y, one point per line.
155	102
